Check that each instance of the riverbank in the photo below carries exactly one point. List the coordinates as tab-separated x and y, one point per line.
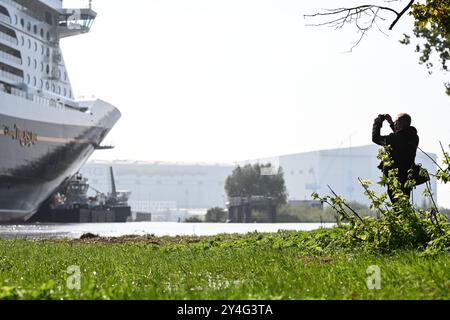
283	265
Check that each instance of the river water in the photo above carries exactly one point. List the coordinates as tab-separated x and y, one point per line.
73	231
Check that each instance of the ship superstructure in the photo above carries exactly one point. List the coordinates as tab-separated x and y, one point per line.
45	135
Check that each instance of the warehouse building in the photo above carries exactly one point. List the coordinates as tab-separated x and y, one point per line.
172	191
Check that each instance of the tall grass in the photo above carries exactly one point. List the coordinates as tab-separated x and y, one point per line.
286	265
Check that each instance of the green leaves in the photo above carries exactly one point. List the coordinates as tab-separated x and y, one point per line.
432	28
400	225
257	180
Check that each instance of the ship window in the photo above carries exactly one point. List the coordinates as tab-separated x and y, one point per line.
42	84
15	19
42	66
34	81
29	26
47	85
65	92
47	69
28	61
22	40
29	44
65	76
35	29
48	52
35	46
35	64
42	33
48	36
28	79
22	22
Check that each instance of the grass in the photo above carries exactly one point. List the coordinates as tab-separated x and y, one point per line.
256	266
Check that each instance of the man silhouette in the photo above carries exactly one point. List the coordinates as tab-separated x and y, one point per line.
403	142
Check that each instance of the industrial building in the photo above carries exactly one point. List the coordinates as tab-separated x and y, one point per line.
172	191
340	169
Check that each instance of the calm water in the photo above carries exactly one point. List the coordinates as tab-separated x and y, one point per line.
46	231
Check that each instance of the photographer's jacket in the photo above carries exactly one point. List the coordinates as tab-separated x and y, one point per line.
404	146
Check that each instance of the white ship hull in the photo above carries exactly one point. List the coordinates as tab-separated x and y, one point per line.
42	147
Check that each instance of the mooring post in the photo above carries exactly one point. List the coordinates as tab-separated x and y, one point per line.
248	213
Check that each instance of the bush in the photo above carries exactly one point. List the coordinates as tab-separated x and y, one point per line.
216	215
193	220
400	224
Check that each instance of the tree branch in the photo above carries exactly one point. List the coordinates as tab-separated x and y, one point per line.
399	15
356	15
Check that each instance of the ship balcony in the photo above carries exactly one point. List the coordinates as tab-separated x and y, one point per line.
75	21
11	77
9	39
10	58
5	18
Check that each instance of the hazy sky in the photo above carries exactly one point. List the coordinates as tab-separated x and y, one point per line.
229	80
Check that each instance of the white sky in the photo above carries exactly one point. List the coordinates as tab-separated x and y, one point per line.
221	81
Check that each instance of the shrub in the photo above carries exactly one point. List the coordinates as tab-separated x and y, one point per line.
400	225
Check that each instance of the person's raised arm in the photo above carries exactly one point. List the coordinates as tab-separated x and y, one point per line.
376	131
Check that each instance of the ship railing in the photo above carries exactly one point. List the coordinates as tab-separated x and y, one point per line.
54	103
23	9
36	98
10	57
18	93
5	18
11	76
8	38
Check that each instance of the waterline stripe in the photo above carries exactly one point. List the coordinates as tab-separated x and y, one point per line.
59	140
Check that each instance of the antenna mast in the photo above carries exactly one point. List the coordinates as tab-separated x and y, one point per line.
113	182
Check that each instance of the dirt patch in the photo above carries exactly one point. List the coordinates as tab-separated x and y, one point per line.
149	239
89	236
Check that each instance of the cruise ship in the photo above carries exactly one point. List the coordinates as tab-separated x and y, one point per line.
45	134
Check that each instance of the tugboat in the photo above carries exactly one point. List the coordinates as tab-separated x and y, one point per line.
45	134
73	205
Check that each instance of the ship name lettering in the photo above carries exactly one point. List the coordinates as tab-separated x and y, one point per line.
25	138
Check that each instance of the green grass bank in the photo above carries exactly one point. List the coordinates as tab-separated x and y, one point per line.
285	265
